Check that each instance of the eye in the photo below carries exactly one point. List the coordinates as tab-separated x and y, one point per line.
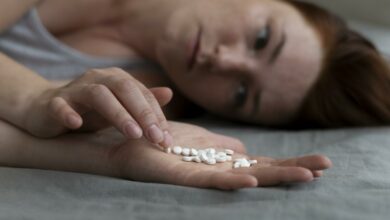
240	96
262	38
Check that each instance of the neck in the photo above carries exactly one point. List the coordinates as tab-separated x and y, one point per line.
144	23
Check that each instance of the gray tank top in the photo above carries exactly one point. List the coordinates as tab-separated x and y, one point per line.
30	43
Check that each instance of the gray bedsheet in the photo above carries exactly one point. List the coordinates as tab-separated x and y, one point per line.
357	187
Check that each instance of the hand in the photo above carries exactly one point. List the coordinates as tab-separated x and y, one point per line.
143	162
98	99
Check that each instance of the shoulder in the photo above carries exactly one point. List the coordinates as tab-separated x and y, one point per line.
78	13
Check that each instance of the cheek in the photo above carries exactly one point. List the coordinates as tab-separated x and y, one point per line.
210	92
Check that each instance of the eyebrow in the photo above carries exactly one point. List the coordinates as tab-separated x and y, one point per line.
278	49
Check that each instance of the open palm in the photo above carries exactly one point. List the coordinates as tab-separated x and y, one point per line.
145	162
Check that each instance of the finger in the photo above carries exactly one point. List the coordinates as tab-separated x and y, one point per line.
163	95
221	180
162	121
227	142
102	100
312	162
64	113
143	106
318	173
270	176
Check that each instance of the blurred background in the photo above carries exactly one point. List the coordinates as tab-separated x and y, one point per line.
370	17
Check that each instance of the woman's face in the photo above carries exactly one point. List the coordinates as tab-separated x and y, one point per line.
252	60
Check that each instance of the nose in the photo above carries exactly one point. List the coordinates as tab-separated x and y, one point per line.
231	58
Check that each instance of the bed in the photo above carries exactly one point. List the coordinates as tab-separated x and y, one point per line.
357	187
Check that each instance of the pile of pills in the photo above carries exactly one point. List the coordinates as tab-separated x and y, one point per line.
210	156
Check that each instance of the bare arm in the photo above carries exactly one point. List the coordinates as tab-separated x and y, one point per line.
18	84
108	153
12	10
86	153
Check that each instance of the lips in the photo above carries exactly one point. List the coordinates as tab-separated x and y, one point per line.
195	51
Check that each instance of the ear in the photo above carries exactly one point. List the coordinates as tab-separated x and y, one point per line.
163	95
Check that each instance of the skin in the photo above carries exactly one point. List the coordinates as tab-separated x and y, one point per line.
167	34
100	96
109	153
227	57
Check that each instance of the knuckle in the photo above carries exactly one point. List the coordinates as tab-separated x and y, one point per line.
110	78
120	116
115	70
125	86
104	72
147	115
92	72
52	106
97	90
55	106
149	96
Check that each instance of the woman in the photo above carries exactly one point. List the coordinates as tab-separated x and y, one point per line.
241	59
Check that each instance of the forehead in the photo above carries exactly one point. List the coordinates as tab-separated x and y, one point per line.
286	82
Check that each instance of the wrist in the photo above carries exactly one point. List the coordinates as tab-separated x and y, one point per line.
32	109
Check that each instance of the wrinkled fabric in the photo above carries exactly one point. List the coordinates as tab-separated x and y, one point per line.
357	187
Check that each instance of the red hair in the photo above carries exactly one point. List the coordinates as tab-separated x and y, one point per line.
353	88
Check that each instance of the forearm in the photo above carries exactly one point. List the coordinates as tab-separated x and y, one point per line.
18	86
87	153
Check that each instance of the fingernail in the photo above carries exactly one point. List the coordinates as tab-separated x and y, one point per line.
133	131
168	139
155	134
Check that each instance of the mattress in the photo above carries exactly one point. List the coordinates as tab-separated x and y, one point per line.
357	187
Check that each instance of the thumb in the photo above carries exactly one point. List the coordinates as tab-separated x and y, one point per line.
163	95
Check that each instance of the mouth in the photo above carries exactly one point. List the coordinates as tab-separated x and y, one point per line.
195	50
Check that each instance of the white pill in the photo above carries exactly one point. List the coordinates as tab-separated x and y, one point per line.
168	150
221	159
186	152
187	159
245	163
194	152
203	157
201	152
177	150
196	159
236	165
210	155
229	152
221	154
253	162
211	150
211	161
